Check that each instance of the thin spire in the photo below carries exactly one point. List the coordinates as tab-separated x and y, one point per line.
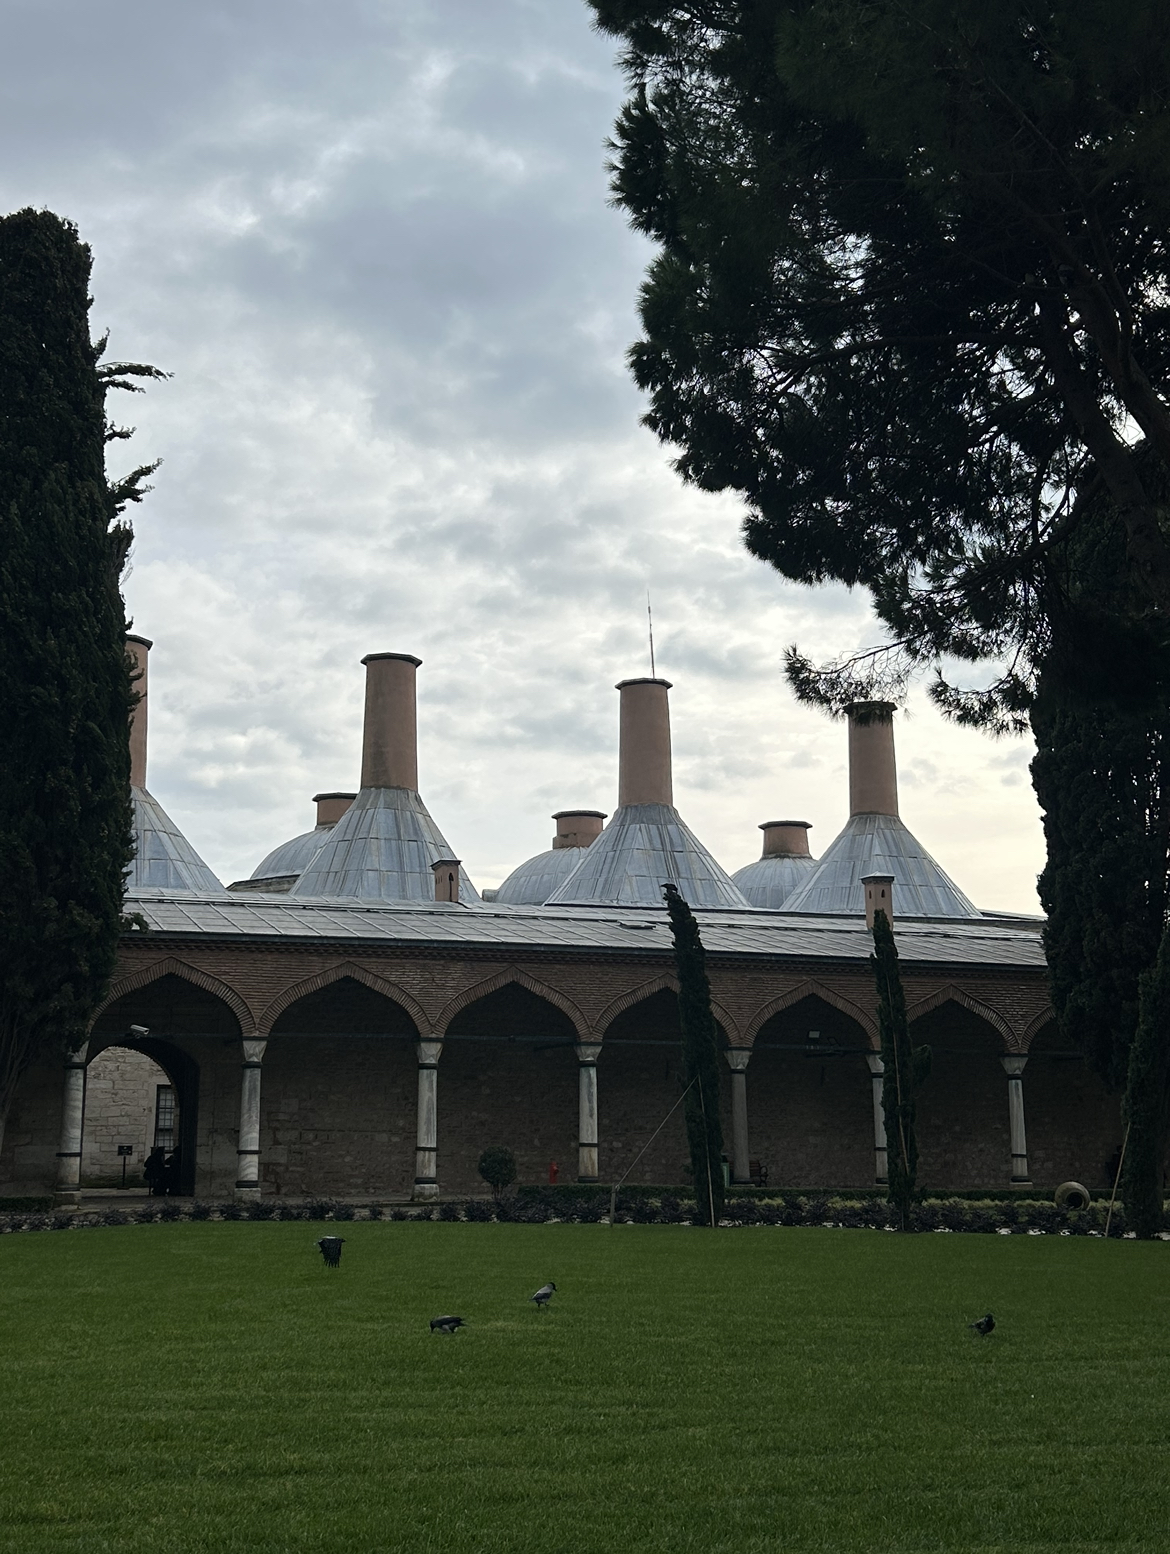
650	624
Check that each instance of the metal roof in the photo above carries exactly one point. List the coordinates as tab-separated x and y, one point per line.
532	883
770	881
381	849
291	857
164	858
879	844
642	848
1000	941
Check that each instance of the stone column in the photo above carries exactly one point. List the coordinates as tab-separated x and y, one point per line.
741	1168
1013	1067
426	1159
248	1149
68	1189
588	1053
881	1163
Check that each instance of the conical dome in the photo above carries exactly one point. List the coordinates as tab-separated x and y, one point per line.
879	844
382	849
644	847
164	859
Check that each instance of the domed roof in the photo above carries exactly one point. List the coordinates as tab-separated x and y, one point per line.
164	859
382	849
532	883
644	847
770	881
879	844
292	857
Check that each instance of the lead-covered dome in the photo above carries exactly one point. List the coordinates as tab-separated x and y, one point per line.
533	882
783	868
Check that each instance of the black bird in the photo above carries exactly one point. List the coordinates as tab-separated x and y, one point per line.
544	1294
331	1250
984	1325
447	1324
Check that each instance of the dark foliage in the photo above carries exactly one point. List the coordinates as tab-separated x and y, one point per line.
65	691
700	1066
1144	1108
497	1166
911	280
905	1069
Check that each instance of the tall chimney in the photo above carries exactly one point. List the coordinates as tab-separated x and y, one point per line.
577	827
873	775
785	838
390	732
331	806
138	650
644	743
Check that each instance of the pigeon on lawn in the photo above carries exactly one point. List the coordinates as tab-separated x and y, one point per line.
447	1324
544	1294
331	1250
984	1325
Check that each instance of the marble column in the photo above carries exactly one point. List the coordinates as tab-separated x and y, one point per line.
588	1053
881	1173
1013	1067
741	1167
68	1188
248	1149
426	1159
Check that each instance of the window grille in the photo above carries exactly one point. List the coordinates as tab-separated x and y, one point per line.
164	1118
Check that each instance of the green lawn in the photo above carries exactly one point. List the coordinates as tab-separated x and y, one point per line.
172	1388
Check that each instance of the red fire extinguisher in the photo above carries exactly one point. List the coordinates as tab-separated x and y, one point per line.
553	1168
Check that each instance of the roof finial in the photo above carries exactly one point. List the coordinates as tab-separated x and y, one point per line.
650	624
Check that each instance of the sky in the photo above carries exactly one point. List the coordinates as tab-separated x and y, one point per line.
371	243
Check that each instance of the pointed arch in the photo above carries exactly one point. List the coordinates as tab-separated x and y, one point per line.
499	979
810	988
950	994
1035	1025
338	973
179	968
624	1001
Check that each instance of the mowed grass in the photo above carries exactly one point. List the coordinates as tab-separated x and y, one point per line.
194	1387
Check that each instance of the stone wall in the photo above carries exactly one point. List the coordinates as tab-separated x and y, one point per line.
121	1087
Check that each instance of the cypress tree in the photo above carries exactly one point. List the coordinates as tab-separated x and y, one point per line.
66	836
905	1068
1144	1106
700	1044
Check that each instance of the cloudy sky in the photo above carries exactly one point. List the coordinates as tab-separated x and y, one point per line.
370	240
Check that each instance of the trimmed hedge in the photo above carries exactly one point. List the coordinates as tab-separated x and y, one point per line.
590	1205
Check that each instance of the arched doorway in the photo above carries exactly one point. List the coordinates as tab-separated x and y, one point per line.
508	1076
1073	1124
131	1108
639	1080
810	1098
338	1098
186	1027
962	1110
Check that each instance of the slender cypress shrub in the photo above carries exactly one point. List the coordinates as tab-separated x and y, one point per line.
1144	1105
65	691
700	1044
905	1069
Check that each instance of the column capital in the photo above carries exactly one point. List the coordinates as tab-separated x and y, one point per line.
1013	1063
588	1051
876	1067
253	1050
737	1058
78	1057
430	1050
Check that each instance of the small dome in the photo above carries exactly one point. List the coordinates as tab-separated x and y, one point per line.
770	881
292	857
532	883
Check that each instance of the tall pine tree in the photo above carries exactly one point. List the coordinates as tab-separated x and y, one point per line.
65	689
700	1043
905	1069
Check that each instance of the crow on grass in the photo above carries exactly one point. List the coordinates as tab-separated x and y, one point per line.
984	1325
447	1324
544	1294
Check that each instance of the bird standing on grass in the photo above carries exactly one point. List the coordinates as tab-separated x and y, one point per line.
447	1324
984	1325
543	1295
